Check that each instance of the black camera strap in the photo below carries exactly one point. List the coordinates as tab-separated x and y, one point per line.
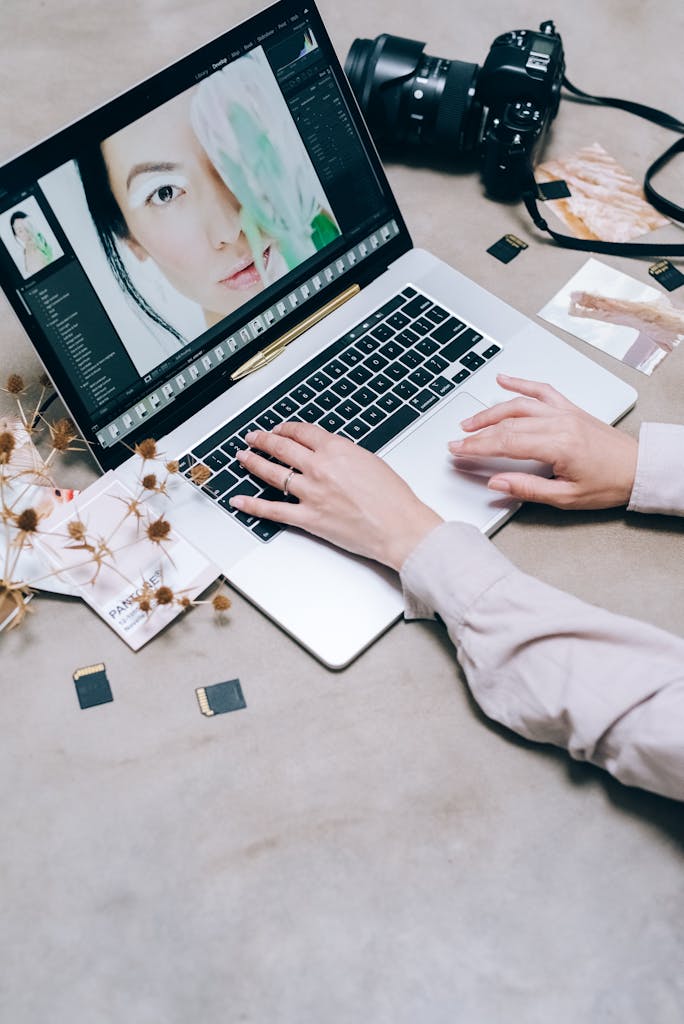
663	205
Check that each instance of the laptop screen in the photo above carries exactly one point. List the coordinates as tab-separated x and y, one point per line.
154	246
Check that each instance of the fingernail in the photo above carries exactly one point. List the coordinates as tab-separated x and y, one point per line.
503	376
238	501
250	437
454	445
466	423
499	485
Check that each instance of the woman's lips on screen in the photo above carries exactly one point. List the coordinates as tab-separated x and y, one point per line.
245	274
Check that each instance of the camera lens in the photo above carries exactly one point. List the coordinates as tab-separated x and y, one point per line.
408	96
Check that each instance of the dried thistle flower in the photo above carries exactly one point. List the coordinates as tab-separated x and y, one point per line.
62	434
44	380
149	482
147	449
220	603
76	530
7	446
27	520
158	530
199	474
15	384
164	595
185	602
172	467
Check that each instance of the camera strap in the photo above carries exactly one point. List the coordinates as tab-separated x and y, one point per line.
663	205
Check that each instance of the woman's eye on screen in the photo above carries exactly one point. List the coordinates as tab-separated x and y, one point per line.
164	194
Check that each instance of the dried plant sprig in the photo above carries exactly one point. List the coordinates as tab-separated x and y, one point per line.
22	467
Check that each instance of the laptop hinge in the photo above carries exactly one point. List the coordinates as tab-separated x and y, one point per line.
276	347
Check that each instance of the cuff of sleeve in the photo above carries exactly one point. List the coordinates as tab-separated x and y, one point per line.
659	481
448	570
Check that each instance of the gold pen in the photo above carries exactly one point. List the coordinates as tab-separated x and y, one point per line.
265	356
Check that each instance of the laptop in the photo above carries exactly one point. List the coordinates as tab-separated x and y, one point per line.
219	248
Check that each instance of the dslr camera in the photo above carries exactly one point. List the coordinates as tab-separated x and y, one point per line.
500	111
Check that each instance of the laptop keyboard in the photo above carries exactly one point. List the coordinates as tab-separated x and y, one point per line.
369	385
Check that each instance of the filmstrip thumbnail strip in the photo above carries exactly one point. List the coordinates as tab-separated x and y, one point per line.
129	421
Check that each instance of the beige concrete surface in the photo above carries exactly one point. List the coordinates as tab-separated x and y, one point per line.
361	846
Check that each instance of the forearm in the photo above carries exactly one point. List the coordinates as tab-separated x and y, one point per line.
659	482
552	668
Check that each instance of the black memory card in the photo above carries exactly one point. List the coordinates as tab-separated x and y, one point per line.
92	686
667	274
221	697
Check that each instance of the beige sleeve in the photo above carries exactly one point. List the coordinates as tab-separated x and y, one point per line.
553	668
659	481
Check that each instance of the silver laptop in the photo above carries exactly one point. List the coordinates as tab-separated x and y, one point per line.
219	248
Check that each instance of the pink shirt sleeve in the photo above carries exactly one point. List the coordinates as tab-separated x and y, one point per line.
551	667
659	481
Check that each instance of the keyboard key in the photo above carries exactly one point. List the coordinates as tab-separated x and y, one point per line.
269	420
424	400
217	459
285	407
185	462
389	401
343	387
390	350
459	377
422	326
220	483
409	292
396	371
458	347
364	396
411	358
328	400
302	394
441	386
372	415
405	389
407	337
436	364
319	381
448	330
382	333
367	344
416	307
360	374
266	530
351	357
335	369
233	446
421	377
436	314
398	321
376	362
310	413
356	429
331	422
472	361
389	429
427	346
380	383
246	487
491	351
348	409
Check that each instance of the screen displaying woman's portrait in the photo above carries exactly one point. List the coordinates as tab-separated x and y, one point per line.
28	238
194	209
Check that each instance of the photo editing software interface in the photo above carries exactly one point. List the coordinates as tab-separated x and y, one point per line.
147	258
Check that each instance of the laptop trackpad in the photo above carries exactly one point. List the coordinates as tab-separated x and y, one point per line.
455	488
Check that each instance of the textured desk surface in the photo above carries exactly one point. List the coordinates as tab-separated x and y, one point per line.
361	846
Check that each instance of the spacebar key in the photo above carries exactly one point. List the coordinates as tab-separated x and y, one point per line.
389	428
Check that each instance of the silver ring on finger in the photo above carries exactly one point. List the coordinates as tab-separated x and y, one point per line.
286	484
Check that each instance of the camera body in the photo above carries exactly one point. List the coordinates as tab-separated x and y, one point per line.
501	110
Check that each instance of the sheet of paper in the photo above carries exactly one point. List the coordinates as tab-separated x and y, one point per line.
105	552
631	321
605	203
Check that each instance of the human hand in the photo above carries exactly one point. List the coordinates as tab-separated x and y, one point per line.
345	494
593	464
